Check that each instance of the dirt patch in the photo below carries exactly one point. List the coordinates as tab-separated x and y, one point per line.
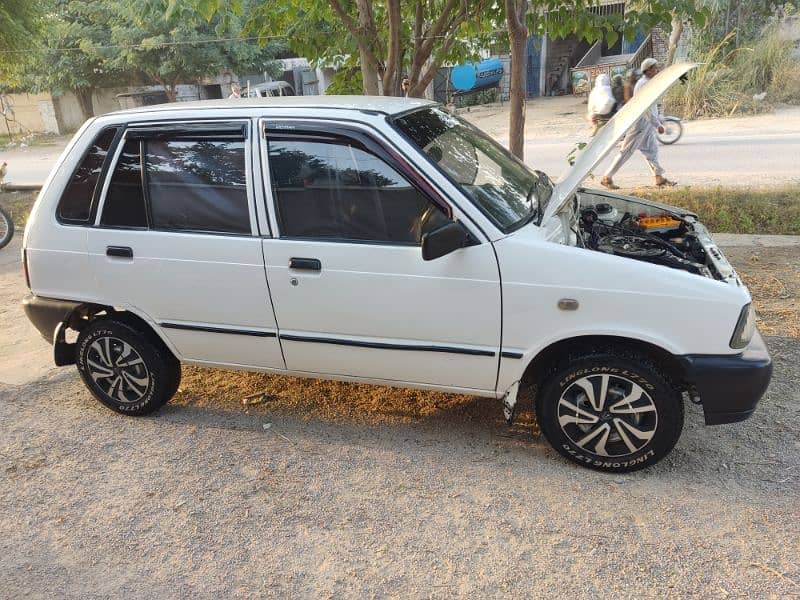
773	277
335	401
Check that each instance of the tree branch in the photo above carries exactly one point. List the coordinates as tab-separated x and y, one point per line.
356	31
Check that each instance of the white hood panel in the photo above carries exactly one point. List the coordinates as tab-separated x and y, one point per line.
611	133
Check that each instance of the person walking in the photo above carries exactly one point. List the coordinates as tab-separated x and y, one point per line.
642	136
236	91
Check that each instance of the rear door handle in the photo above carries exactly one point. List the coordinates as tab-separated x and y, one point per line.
119	251
306	264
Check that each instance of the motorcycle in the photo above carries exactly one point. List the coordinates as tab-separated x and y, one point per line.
6	227
673	130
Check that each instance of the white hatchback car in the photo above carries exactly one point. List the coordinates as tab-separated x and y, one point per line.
385	240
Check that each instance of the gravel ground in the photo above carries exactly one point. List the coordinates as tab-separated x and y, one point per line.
339	490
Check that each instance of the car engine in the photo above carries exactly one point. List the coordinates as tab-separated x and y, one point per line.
666	239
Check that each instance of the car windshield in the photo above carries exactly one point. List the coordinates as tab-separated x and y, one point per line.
499	184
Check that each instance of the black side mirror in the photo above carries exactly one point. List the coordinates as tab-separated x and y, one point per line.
446	239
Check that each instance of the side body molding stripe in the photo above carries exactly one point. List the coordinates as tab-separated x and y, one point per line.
217	329
385	346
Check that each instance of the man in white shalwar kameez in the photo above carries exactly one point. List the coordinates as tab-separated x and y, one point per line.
641	136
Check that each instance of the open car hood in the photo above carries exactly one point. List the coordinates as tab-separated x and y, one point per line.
605	139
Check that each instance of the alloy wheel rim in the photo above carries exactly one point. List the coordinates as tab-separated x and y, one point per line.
118	369
607	415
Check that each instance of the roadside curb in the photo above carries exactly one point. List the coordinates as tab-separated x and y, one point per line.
21	187
755	240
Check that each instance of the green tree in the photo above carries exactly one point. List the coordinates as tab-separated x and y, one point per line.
386	39
20	21
74	54
179	46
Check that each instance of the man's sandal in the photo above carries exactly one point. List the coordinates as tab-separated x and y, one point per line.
608	184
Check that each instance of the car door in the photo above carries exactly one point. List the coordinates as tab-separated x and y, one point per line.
352	294
176	241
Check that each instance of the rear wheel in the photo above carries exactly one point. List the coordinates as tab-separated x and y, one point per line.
124	369
673	130
6	227
610	412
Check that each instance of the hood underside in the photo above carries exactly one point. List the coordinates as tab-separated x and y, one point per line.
605	139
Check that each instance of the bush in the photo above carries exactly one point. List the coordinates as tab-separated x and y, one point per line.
345	82
737	210
726	82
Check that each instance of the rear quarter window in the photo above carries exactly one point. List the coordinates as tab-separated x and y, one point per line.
75	205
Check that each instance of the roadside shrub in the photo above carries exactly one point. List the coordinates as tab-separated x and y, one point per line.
345	82
769	210
726	82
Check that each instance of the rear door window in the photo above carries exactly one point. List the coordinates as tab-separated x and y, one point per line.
197	185
185	180
75	205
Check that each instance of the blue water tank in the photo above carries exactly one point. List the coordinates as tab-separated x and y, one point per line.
474	76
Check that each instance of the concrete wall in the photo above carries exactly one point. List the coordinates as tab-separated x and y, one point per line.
25	114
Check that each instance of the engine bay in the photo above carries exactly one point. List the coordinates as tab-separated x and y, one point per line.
648	232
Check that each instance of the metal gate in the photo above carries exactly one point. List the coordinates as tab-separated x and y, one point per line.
533	69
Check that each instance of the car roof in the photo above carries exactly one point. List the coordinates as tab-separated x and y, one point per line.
388	105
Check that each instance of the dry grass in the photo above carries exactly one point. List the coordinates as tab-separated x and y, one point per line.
339	401
767	210
19	204
773	277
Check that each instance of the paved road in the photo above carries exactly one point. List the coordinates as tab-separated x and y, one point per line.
735	158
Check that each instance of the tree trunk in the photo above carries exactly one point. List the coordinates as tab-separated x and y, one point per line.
172	93
366	22
674	36
516	13
84	96
391	78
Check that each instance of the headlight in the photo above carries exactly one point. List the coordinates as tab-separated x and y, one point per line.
745	327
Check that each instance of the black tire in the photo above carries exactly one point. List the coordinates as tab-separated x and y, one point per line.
124	369
578	421
673	130
6	227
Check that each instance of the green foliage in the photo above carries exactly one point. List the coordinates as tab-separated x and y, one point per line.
345	82
20	21
82	26
725	83
562	19
767	210
168	42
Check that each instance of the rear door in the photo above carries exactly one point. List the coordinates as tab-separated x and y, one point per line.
352	294
176	241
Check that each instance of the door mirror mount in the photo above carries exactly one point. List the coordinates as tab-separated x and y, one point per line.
443	240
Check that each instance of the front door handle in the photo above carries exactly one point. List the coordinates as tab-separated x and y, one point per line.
305	264
119	251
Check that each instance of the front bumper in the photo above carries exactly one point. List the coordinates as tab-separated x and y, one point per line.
730	386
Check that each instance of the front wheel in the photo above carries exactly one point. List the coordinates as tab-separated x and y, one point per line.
673	130
610	412
6	227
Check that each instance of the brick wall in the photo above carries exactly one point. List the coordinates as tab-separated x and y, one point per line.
660	44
